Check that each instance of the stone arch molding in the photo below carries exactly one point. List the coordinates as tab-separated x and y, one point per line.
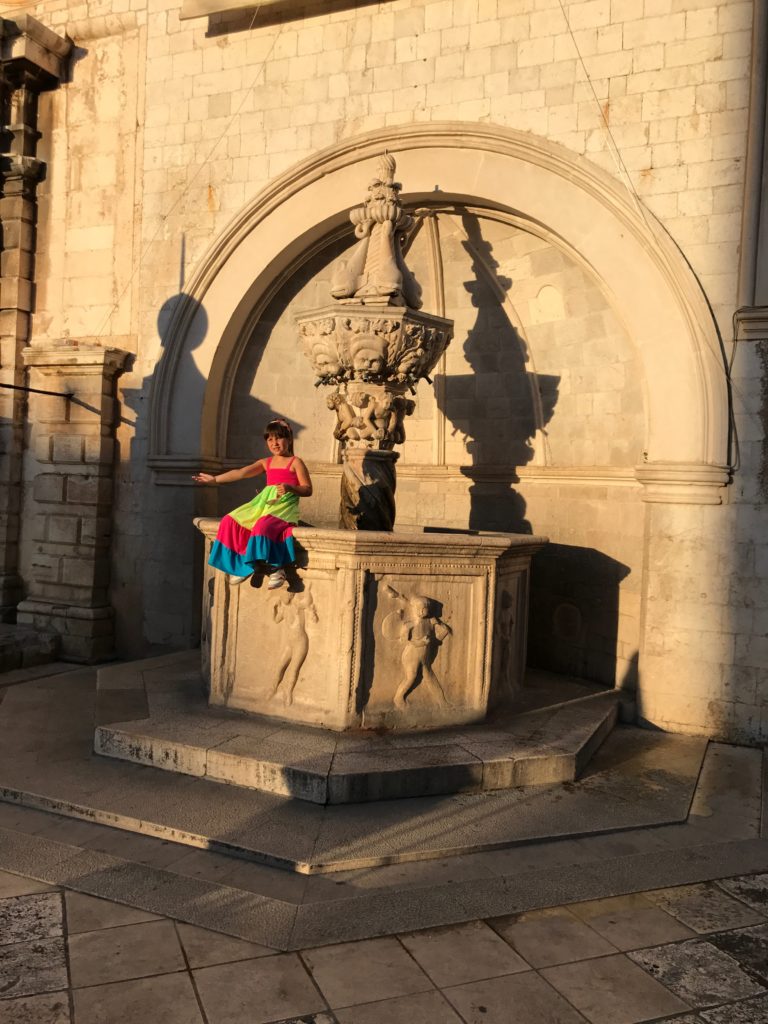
652	285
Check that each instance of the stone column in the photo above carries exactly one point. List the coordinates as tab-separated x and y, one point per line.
31	60
686	644
72	442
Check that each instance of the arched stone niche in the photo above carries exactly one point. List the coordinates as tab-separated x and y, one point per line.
519	177
541	373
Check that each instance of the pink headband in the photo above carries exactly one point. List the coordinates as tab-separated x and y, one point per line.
283	423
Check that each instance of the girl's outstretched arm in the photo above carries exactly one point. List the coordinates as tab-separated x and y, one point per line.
255	469
304	487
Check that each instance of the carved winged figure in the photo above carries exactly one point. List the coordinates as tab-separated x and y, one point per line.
421	635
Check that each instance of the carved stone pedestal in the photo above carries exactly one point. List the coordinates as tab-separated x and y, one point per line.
406	631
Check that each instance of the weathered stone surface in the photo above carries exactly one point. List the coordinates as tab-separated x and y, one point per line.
747	1011
30	968
42	1009
698	972
375	630
325	767
612	987
752	890
705	908
32	917
641	778
749	946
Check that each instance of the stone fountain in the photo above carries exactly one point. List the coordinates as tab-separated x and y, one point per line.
378	629
381	633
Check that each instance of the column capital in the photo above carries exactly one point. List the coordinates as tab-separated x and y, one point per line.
750	323
683	483
73	357
32	53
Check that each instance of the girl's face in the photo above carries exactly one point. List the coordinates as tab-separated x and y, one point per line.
278	445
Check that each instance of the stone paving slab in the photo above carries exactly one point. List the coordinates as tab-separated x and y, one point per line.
272	908
697	972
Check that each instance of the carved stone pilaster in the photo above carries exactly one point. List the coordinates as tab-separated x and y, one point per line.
73	445
32	60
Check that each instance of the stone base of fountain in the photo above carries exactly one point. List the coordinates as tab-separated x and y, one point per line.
405	631
548	737
369	677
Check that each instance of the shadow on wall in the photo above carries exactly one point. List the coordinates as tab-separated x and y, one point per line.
155	550
158	553
500	406
574	615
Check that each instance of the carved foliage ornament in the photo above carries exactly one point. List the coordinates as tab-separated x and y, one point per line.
398	350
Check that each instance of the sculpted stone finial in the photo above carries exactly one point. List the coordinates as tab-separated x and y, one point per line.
375	272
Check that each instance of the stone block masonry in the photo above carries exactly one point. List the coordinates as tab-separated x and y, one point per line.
72	495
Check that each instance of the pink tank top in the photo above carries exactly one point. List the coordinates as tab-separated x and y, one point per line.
282	475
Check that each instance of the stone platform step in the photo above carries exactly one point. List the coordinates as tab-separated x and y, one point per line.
636	779
178	732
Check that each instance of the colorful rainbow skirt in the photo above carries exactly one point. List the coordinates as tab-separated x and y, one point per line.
256	534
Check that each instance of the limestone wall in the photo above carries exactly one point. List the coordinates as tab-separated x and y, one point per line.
168	128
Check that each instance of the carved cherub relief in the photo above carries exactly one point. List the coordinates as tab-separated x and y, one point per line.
421	635
346	417
292	611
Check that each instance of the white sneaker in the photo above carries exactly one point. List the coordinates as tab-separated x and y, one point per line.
237	580
276	579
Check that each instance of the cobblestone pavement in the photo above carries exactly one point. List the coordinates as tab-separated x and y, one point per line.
695	954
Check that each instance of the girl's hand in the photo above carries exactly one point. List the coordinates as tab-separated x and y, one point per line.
204	478
281	489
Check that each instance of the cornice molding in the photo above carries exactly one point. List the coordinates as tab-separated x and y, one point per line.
65	358
677	483
750	323
28	47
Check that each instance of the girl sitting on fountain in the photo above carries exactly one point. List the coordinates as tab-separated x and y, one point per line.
260	533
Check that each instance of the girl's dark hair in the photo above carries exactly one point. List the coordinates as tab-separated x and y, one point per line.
279	428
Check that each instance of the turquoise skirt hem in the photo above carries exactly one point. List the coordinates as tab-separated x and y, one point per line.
260	550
